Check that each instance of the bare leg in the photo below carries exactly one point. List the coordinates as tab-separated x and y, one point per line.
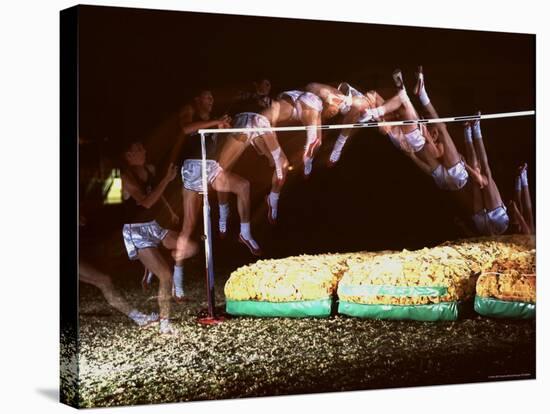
517	219
392	105
518	193
262	149
223	198
450	154
275	153
314	138
229	182
233	148
351	117
267	144
185	246
528	212
276	184
472	162
170	241
223	207
491	195
428	154
471	156
471	159
527	208
89	274
153	260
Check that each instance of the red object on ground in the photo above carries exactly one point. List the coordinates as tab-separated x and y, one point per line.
209	320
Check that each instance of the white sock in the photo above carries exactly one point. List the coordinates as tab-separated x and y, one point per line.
371	113
178	281
308	165
245	230
166	326
518	183
276	154
477	129
524	181
338	146
423	96
247	235
224	213
136	315
379	112
366	116
142	319
467	133
311	137
398	79
404	96
273	202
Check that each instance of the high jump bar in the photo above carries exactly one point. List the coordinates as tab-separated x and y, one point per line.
372	124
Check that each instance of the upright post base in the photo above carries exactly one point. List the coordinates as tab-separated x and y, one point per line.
210	320
206	317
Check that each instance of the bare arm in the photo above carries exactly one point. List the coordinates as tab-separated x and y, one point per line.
321	90
524	227
147	200
174	217
420	164
167	205
330	96
188	126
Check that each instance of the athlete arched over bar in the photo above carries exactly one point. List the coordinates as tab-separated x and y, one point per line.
291	107
359	108
448	168
489	214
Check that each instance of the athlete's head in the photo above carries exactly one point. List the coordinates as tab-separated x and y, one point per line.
331	105
263	86
134	154
330	110
203	100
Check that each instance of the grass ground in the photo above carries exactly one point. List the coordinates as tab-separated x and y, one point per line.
249	357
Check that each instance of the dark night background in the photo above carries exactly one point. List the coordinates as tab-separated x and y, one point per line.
137	67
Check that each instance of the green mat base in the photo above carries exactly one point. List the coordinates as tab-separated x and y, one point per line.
504	309
444	311
299	309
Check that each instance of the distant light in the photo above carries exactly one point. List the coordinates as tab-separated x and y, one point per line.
290	167
114	184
